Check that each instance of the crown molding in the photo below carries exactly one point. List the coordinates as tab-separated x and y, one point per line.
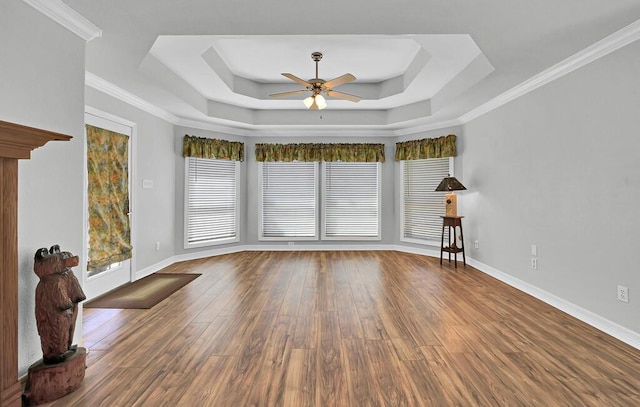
218	128
67	17
325	131
613	42
428	127
110	89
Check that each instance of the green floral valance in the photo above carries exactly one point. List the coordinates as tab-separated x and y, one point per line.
359	152
201	147
440	147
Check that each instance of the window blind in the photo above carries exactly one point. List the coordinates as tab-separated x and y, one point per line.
421	205
351	199
289	196
211	204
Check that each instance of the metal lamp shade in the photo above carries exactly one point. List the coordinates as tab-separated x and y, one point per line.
450	184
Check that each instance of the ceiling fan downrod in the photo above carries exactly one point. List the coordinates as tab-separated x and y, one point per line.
316	56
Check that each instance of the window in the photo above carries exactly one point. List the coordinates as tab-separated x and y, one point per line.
421	205
351	200
211	202
288	200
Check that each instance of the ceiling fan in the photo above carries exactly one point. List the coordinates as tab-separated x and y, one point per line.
318	86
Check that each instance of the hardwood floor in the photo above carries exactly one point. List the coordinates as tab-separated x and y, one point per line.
349	329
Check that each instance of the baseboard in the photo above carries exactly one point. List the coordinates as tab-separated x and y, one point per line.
611	328
319	247
154	268
210	253
280	248
415	250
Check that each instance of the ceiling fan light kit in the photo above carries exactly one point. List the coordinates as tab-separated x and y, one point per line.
315	102
319	86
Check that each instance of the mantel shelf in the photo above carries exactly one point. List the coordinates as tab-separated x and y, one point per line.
17	141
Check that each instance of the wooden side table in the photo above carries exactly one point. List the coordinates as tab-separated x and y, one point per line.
452	222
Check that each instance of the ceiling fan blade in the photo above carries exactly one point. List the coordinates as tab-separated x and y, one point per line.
342	95
284	94
340	80
296	79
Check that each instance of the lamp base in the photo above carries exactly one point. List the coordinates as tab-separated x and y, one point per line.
450	205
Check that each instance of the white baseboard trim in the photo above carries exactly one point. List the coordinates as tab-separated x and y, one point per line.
210	253
320	248
154	268
611	328
416	250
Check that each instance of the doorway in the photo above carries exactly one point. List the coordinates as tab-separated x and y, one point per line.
109	219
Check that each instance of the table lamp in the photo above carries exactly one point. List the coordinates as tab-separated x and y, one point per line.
450	184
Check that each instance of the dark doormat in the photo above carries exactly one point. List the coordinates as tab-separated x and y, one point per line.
144	293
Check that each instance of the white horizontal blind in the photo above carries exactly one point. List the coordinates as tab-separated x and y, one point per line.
421	205
351	197
210	201
289	196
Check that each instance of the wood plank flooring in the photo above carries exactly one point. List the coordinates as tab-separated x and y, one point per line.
349	329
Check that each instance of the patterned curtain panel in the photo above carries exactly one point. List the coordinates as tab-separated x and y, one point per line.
201	147
320	152
109	233
440	147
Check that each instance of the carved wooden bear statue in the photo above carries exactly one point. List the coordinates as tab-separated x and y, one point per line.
57	296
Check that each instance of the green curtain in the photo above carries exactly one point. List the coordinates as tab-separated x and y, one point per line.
201	147
108	173
345	152
440	147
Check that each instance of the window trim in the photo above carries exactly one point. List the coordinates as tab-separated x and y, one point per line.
214	242
427	242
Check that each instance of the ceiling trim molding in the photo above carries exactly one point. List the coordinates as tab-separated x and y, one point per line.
67	17
613	42
218	128
106	87
110	89
428	127
328	131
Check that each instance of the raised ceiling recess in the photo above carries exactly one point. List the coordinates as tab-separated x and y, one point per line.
399	78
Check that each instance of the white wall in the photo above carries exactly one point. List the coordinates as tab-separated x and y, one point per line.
42	85
560	168
154	159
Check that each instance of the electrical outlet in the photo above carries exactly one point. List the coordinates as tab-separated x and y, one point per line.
476	244
623	293
292	243
534	263
157	246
